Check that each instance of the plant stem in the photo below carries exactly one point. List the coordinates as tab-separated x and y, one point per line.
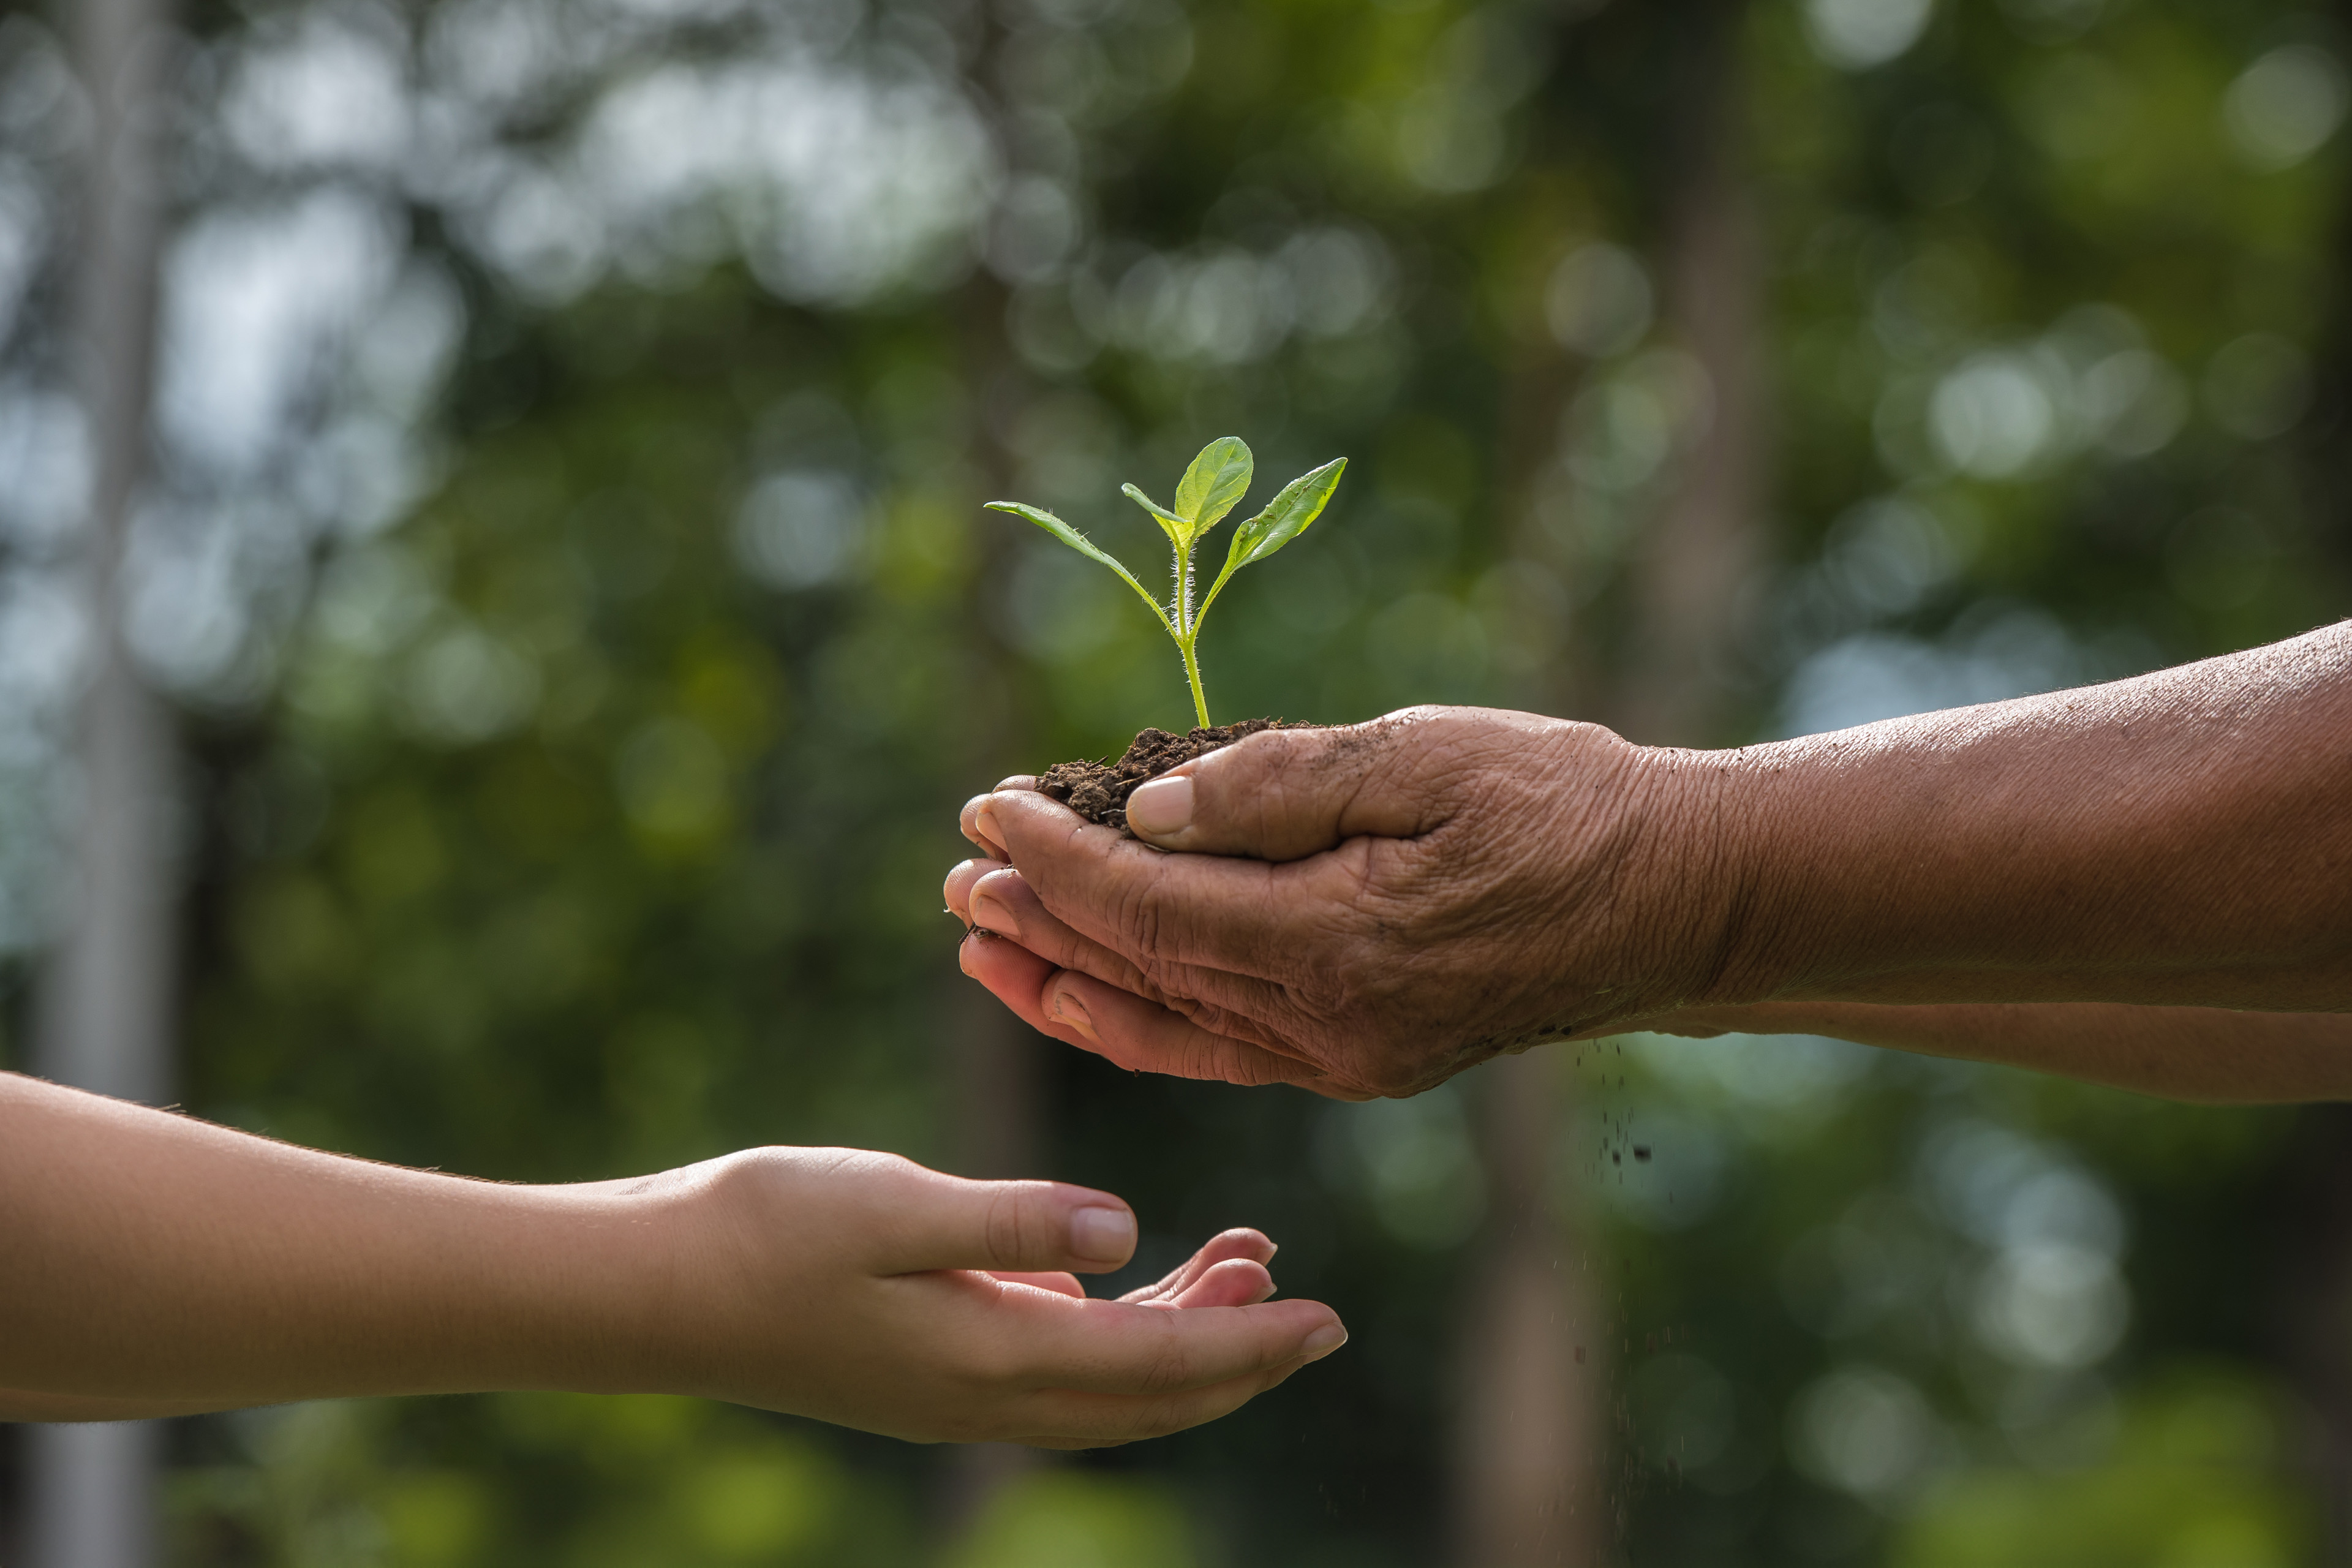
1183	592
1192	670
1188	629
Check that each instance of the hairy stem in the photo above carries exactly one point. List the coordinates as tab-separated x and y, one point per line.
1187	630
1192	671
1185	591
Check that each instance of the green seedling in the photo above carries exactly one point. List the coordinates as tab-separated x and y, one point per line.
1210	489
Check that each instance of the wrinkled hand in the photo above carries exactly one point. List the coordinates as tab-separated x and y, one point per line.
861	1288
1363	911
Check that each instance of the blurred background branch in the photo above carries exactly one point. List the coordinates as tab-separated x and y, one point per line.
108	1016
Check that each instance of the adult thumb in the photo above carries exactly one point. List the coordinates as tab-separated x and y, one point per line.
1284	795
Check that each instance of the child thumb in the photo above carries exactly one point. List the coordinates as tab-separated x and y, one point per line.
1021	1226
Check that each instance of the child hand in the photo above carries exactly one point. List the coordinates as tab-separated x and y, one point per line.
865	1289
162	1266
1229	1270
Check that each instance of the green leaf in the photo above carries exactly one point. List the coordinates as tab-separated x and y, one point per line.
1179	531
1084	546
1214	484
1285	517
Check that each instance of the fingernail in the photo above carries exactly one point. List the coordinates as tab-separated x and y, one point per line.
1161	806
963	955
1102	1235
984	818
1068	1009
989	915
1324	1341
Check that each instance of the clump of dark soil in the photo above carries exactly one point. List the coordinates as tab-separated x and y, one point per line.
1098	791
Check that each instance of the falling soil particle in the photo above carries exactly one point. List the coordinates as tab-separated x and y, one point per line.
1098	791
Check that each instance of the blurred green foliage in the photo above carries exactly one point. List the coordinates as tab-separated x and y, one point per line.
597	821
2194	1481
1067	1521
540	1478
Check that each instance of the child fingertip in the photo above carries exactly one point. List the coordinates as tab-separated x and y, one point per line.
1102	1235
1323	1341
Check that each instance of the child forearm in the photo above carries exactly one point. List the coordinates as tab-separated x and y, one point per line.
172	1265
155	1265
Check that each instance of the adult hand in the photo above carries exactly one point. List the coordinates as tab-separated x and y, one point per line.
1366	910
1442	884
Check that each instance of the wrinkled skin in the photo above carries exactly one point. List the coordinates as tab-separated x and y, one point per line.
2141	883
1422	892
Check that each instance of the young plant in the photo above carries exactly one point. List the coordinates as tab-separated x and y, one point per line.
1210	489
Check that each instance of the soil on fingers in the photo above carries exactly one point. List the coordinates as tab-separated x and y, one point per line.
1098	791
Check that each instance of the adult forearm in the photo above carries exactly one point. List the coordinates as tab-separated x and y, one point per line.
2184	838
2212	1055
167	1264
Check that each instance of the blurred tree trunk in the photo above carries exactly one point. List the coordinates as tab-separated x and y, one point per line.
1530	1447
1527	1446
1694	561
2315	1310
107	1002
996	1071
2314	1292
2326	436
995	1074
